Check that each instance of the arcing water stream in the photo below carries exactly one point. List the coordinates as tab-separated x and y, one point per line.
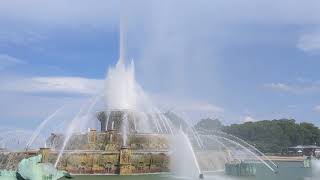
41	126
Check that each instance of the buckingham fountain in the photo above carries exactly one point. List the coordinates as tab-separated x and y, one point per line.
129	135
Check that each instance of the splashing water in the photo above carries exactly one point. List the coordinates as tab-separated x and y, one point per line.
183	154
121	89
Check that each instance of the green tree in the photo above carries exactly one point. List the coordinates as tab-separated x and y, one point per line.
270	136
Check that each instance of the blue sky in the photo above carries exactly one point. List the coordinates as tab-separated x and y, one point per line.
237	61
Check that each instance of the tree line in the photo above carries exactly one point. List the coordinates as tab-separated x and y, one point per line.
269	136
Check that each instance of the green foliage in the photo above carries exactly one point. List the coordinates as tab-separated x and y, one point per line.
269	136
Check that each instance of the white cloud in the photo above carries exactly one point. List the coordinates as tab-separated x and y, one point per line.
9	61
28	110
298	88
20	36
185	104
248	119
190	109
201	107
193	110
70	85
279	87
25	102
317	108
309	43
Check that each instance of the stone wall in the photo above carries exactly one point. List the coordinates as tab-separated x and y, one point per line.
125	161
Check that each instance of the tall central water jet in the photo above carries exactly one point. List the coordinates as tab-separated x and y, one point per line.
122	42
121	88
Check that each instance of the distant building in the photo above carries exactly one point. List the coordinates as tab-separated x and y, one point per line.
305	150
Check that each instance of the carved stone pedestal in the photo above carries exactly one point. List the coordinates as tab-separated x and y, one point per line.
125	161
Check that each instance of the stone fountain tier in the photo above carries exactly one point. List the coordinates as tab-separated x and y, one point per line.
102	152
